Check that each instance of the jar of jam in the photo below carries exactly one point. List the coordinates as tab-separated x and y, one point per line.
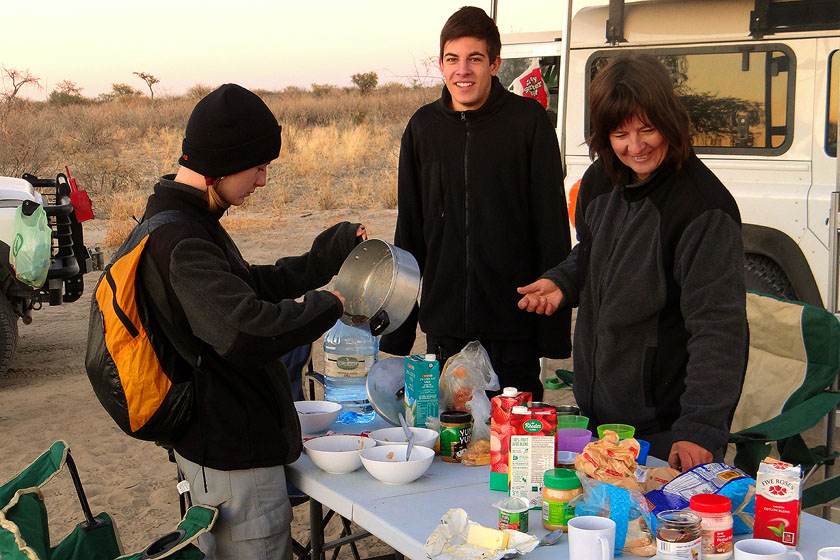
715	513
560	486
678	535
455	434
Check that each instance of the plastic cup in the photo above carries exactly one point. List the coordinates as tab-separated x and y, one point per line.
573	439
623	430
644	448
572	421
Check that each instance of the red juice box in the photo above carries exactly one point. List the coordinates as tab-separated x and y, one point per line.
500	431
778	502
532	451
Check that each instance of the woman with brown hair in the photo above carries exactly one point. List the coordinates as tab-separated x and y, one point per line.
661	335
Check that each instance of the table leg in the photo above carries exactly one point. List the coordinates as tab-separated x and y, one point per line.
316	529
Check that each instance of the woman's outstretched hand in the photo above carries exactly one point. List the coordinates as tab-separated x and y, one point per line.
541	297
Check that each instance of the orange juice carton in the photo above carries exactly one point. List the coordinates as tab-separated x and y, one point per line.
500	431
778	497
532	451
421	389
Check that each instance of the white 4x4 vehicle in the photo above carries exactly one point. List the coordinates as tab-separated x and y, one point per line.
70	259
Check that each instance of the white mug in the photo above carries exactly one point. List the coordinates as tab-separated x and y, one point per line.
762	549
829	553
591	537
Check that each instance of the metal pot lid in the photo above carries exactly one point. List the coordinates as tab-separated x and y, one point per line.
386	388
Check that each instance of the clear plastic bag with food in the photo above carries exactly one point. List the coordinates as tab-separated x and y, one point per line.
465	378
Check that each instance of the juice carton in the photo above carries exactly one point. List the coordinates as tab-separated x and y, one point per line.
421	389
500	431
532	451
778	495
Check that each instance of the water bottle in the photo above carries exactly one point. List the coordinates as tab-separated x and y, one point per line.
349	353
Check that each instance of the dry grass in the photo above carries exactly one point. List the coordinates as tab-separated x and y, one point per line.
340	150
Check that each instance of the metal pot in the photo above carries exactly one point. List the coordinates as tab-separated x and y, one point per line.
379	284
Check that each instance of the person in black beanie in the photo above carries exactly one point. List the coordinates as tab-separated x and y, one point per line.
244	426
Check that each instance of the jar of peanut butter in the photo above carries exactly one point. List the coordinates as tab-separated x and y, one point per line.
455	434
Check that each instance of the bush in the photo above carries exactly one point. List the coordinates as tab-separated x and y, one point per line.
366	82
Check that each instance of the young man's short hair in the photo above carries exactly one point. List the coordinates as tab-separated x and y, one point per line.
471	21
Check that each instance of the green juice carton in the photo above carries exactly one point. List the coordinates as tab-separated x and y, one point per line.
421	389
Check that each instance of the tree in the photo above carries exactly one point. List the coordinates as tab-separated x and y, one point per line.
120	91
366	82
150	81
66	92
18	78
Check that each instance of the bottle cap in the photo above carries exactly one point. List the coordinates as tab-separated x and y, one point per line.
710	503
509	391
455	417
561	479
431	357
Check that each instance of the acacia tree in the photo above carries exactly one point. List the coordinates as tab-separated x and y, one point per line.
366	82
18	78
150	81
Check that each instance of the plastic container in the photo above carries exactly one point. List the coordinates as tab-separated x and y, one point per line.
715	513
572	421
624	431
560	486
644	449
349	353
455	434
677	535
565	460
573	439
513	514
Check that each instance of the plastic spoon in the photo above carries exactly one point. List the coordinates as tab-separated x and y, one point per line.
409	435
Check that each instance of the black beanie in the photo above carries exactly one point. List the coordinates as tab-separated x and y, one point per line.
230	130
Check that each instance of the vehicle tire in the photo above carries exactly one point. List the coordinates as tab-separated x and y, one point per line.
8	334
762	274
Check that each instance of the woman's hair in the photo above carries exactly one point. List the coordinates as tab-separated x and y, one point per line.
470	21
636	85
215	202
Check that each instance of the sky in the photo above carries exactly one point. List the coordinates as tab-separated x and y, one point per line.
256	43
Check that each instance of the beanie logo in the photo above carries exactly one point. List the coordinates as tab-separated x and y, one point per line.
186	157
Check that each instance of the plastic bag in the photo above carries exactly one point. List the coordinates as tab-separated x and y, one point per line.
31	248
635	525
465	378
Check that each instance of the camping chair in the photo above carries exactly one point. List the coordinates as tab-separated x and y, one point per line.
298	363
793	362
24	528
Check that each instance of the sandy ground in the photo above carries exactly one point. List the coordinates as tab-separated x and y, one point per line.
46	396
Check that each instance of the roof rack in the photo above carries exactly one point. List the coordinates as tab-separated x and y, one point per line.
775	16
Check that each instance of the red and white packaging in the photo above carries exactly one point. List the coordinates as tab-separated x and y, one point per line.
532	451
778	502
500	431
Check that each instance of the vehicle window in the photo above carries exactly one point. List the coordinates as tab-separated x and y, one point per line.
740	101
831	124
514	69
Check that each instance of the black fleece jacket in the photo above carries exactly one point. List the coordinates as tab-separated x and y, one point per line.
483	210
244	318
658	276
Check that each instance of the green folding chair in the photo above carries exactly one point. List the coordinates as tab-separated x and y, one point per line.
793	362
24	527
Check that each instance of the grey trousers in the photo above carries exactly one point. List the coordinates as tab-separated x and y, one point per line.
255	515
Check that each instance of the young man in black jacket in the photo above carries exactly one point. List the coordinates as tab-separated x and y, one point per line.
482	208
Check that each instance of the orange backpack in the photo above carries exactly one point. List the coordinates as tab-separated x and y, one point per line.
140	377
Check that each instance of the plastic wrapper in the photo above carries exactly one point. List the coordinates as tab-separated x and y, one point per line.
465	378
710	478
449	541
477	454
635	525
31	248
612	461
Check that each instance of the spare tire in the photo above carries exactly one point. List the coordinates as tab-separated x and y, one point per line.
763	274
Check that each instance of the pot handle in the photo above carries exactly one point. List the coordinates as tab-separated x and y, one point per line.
379	322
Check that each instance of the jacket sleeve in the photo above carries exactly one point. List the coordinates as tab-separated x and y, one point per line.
710	270
551	230
291	277
409	236
225	312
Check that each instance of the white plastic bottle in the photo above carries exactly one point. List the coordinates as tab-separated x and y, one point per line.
349	353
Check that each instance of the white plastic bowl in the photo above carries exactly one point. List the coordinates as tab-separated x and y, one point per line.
338	454
387	463
423	437
316	416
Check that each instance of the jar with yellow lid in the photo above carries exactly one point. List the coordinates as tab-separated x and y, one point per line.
560	487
